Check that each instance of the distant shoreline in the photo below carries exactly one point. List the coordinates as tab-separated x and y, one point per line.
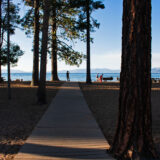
79	77
74	73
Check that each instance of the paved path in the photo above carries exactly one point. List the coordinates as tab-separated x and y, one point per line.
67	131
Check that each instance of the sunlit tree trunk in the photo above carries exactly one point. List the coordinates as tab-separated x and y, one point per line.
54	73
88	80
0	38
42	83
35	74
134	127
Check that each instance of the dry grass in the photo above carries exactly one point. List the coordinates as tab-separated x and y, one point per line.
19	115
102	98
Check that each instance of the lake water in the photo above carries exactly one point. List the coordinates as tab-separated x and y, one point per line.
73	76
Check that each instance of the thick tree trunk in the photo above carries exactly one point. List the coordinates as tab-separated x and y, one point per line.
42	83
8	50
88	78
35	74
54	73
0	39
134	129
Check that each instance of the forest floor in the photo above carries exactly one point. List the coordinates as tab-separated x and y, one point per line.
102	99
19	115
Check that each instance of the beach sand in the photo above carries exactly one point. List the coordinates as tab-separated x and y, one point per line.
19	115
102	98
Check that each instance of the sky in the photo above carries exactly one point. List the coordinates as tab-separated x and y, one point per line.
106	49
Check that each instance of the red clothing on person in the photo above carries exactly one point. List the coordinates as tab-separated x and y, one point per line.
100	78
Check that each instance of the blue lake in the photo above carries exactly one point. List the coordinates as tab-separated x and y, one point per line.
73	76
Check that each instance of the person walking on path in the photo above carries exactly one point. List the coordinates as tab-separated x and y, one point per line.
67	75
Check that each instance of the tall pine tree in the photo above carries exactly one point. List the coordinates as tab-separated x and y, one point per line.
87	22
41	93
14	22
134	128
35	72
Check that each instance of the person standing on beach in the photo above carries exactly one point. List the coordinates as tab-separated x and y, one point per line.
67	75
101	77
97	76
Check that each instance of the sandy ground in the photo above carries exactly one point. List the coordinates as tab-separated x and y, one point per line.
102	99
19	115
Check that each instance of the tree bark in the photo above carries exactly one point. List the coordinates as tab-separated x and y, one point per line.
54	73
88	77
41	93
35	74
134	127
8	50
0	39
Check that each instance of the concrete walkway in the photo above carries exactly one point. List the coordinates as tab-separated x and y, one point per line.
67	131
